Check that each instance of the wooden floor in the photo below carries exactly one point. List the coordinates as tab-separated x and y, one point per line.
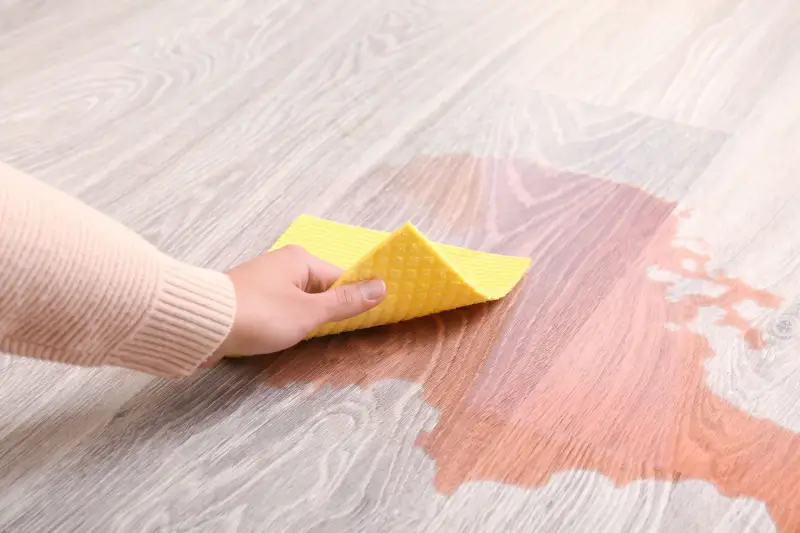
645	377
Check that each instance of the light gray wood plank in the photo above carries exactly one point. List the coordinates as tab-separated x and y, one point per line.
744	207
318	113
705	64
228	454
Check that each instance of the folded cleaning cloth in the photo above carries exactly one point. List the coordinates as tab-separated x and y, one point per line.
421	277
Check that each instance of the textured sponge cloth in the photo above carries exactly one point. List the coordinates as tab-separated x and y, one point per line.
421	277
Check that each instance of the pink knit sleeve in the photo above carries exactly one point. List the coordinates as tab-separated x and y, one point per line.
77	287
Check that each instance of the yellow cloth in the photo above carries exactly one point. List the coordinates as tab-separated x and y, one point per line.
421	277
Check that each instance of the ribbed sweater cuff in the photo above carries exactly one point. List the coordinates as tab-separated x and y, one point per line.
191	314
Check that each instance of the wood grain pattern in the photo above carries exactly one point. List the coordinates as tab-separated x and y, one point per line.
590	375
506	126
744	207
705	64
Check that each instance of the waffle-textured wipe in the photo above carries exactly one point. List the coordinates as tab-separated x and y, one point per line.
421	277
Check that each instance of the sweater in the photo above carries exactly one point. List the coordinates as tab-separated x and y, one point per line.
77	287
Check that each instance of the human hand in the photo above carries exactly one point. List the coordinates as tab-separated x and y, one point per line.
282	296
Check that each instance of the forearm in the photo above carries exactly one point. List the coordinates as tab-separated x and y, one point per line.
77	287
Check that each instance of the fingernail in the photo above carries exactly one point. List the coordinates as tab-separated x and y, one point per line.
372	289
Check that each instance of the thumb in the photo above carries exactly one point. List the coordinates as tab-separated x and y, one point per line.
347	301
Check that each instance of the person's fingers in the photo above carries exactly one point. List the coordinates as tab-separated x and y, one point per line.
314	274
347	301
321	274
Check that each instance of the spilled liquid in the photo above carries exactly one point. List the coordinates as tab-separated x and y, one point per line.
588	364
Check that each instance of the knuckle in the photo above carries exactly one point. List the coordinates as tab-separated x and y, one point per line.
344	295
294	250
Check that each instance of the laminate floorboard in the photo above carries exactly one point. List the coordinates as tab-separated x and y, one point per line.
642	378
700	63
